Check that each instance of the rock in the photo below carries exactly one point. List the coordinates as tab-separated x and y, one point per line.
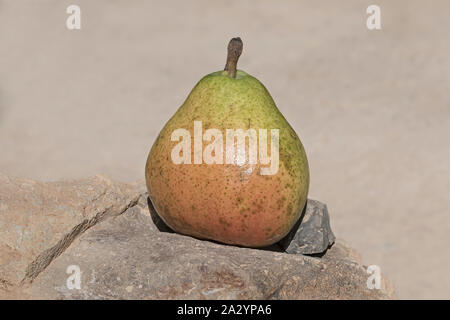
312	233
110	232
39	220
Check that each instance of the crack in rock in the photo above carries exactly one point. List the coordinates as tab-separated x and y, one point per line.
47	256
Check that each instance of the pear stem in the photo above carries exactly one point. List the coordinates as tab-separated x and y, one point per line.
234	51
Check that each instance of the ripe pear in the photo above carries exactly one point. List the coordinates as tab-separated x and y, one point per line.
229	202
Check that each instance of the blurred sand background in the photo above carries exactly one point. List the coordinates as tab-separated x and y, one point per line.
371	107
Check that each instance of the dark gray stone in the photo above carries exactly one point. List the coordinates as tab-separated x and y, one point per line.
312	234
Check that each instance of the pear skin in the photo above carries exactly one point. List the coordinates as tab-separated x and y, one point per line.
231	203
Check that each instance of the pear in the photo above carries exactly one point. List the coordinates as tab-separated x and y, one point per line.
206	178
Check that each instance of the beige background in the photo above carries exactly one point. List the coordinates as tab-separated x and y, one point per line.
371	107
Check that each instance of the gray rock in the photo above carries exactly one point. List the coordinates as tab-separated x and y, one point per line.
39	220
124	252
312	233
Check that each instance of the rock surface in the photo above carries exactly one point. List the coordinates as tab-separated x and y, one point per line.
110	232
